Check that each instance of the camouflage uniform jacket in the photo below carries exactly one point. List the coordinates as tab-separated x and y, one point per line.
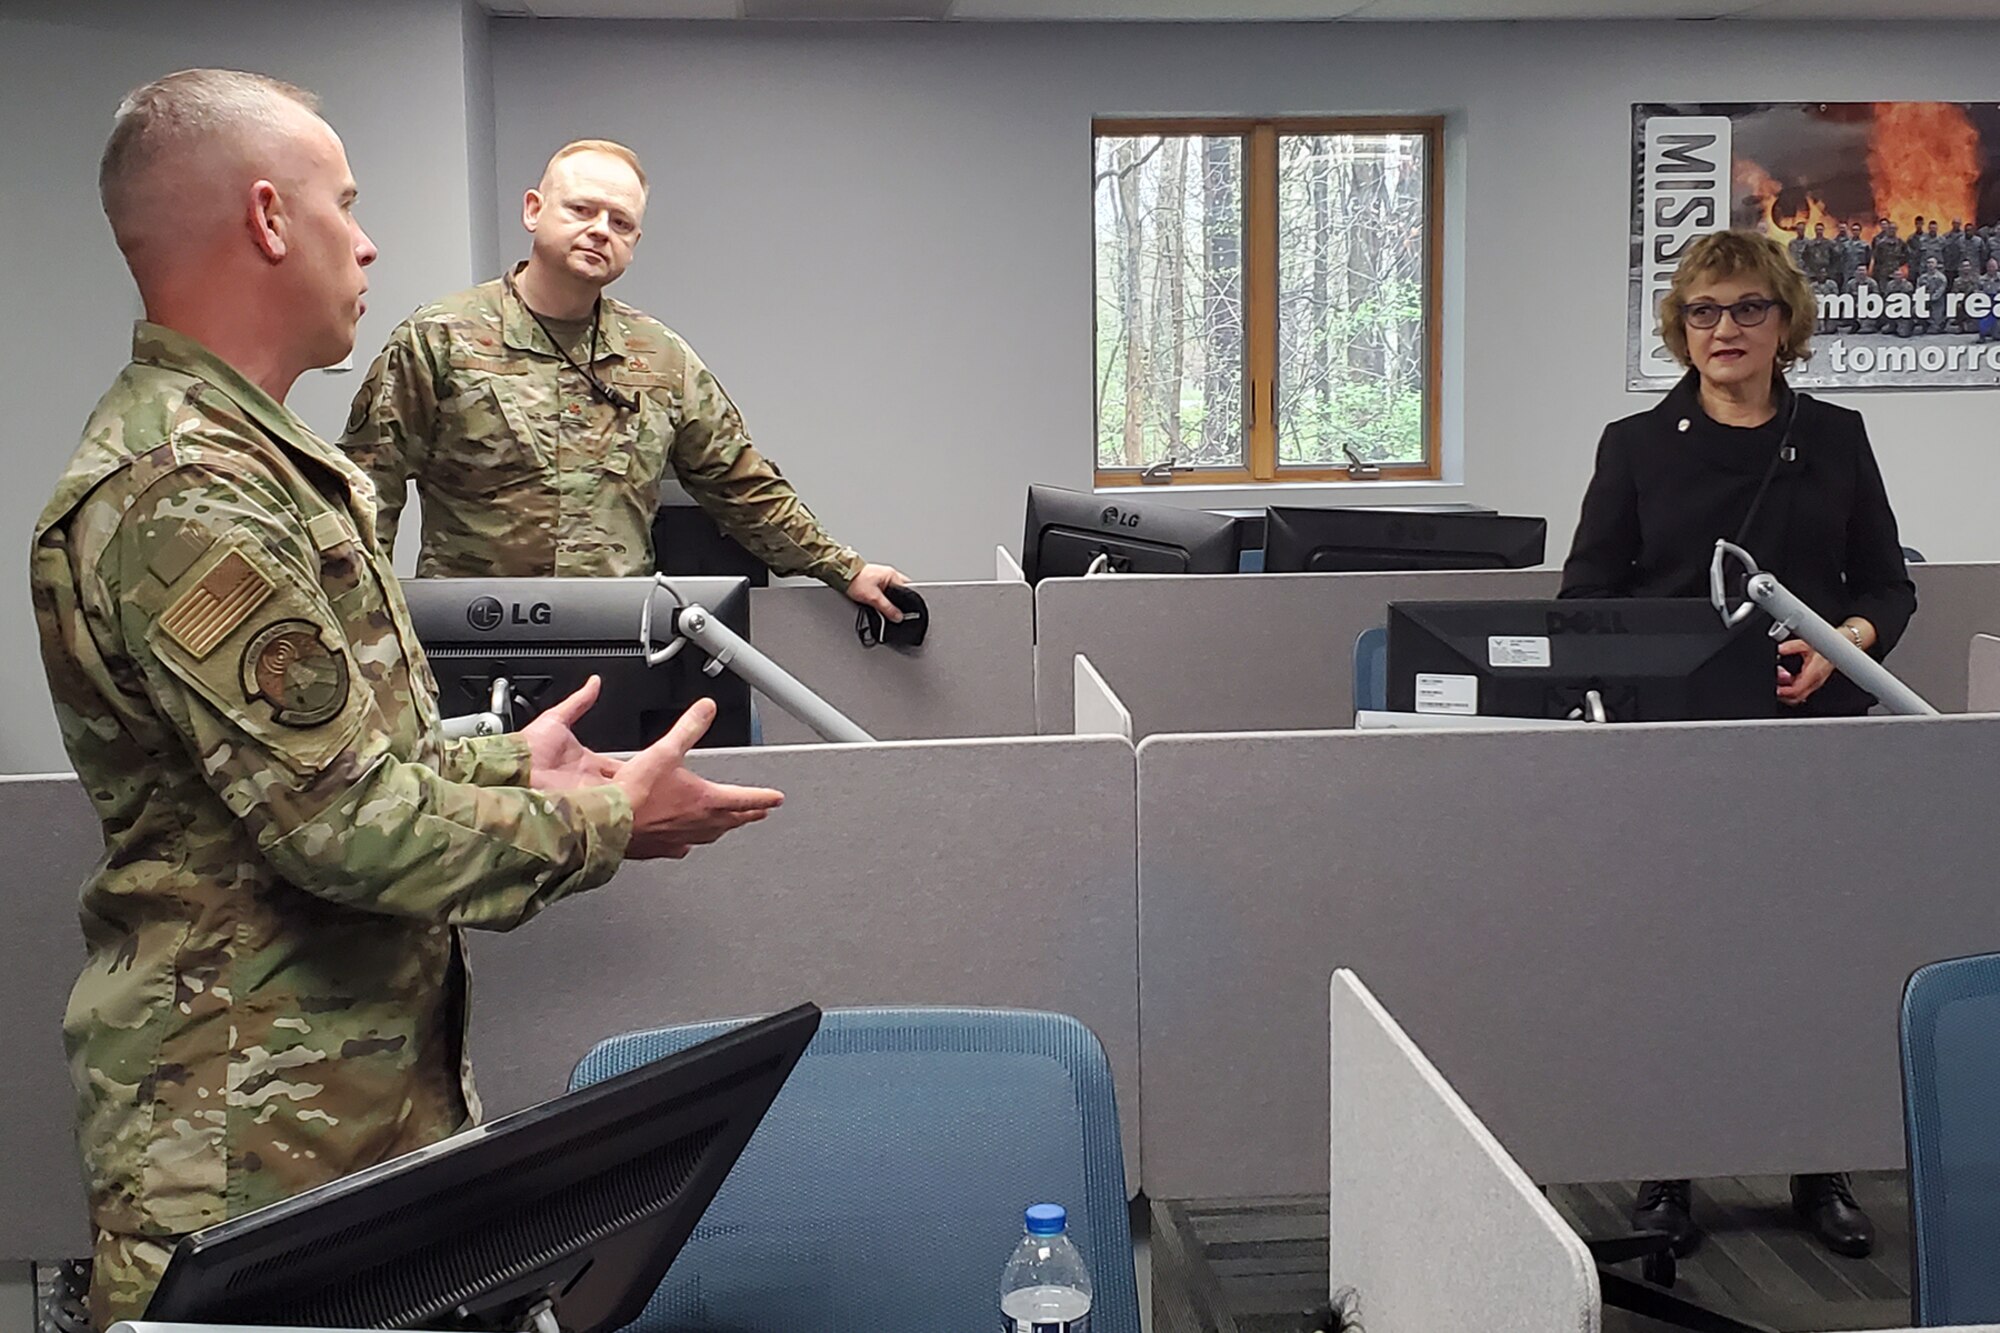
524	471
275	990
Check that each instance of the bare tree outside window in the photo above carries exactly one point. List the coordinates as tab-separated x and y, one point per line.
1265	299
1169	264
1351	252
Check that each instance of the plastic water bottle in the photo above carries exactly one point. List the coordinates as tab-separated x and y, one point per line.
1046	1288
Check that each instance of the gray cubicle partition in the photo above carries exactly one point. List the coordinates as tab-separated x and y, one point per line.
974	675
1431	1224
1982	669
1954	602
1230	652
944	872
1274	652
960	872
52	842
1640	951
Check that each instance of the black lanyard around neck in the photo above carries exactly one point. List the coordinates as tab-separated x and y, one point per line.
624	402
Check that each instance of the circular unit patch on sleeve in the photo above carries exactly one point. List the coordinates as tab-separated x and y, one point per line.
288	666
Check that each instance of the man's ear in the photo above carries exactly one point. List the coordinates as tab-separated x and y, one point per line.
270	226
531	210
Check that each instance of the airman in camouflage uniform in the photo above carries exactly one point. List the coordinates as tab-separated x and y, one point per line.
275	989
1886	254
537	416
1934	285
1905	325
1962	286
524	470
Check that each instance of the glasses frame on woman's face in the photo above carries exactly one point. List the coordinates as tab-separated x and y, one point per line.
1740	351
1746	313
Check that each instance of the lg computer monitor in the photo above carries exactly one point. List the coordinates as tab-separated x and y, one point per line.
1072	533
1303	541
579	1204
546	637
1641	660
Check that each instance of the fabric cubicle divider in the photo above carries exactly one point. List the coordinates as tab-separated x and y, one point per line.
1430	1224
1098	711
953	872
974	675
52	843
982	873
1954	602
1230	652
1982	671
1630	948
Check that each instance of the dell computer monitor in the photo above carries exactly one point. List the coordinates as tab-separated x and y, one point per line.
579	1204
546	637
1302	541
1645	659
1069	531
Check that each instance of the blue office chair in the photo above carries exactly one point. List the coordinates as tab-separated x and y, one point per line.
1371	670
884	1190
1951	1125
1912	556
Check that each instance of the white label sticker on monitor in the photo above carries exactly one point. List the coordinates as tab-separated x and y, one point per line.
1503	651
1448	694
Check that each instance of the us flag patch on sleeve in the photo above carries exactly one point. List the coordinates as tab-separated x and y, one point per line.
203	616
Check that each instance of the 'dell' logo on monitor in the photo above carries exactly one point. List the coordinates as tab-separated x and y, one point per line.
485	613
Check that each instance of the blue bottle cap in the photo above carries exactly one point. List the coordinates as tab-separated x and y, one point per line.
1047	1219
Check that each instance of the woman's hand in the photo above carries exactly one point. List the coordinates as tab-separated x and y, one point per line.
1794	688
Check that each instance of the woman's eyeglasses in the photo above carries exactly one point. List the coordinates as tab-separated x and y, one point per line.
1748	313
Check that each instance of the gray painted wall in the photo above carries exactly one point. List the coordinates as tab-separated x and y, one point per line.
879	235
391	74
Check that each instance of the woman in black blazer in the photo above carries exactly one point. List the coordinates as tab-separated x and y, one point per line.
1733	452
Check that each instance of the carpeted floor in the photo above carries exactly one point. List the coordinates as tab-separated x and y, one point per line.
1256	1265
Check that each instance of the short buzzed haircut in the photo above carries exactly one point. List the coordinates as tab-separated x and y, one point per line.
163	129
617	150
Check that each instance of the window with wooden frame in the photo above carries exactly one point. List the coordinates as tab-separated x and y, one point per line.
1267	299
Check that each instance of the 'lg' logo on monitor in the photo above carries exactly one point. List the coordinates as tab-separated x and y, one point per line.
488	613
1113	518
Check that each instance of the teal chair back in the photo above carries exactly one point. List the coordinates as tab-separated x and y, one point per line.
1371	670
883	1191
1951	1122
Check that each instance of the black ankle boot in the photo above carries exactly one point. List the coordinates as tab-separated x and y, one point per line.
1667	1205
1825	1204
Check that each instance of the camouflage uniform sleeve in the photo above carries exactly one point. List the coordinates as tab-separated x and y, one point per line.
391	424
745	493
487	761
244	658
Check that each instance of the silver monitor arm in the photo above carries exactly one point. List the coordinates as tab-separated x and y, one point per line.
498	717
1792	618
692	623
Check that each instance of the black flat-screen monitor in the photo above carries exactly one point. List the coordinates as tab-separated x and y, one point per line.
1302	541
548	636
1070	532
1645	659
580	1203
687	543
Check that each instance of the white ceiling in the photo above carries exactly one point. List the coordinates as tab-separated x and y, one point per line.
1239	10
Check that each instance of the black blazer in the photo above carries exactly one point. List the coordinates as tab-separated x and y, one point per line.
1670	481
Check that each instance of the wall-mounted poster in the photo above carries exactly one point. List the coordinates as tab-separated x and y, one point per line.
1892	209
